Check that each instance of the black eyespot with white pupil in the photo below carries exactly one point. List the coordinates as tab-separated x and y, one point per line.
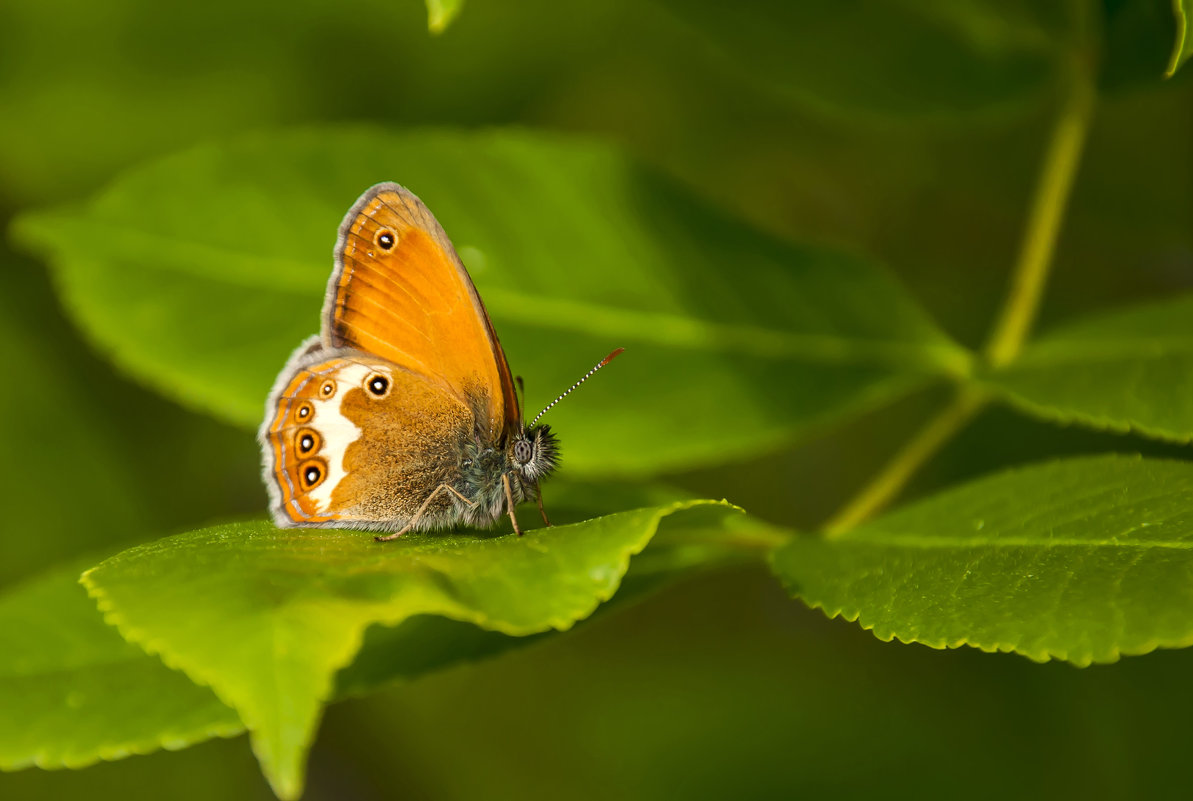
307	441
304	412
311	474
386	240
377	385
328	389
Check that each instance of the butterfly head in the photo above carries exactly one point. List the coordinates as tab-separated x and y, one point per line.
534	454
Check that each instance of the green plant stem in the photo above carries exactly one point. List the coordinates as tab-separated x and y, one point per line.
1044	221
898	471
1030	275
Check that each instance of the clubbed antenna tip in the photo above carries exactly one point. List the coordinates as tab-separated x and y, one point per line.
606	360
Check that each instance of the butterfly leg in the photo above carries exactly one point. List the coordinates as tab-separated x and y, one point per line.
418	514
457	493
539	494
509	500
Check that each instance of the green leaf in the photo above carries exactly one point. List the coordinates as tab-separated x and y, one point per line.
80	693
1080	559
440	14
73	692
39	425
266	617
201	272
1125	370
1182	48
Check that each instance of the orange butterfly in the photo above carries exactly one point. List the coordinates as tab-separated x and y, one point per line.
402	414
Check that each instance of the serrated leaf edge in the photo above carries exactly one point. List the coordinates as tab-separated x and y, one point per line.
142	747
284	786
1054	414
1040	655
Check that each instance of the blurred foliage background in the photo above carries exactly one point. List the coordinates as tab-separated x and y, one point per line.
911	131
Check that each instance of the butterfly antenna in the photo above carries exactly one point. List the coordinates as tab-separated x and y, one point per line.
570	389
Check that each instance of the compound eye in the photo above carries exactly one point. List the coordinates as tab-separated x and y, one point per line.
377	385
522	451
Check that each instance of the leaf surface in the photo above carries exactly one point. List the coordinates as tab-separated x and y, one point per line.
267	617
1080	559
79	693
1125	370
73	692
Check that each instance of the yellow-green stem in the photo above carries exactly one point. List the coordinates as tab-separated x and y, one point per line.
1018	313
883	488
1044	221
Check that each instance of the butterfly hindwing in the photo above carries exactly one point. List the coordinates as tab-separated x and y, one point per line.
352	440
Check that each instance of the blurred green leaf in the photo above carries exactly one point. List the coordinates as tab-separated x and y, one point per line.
73	692
440	14
266	617
1124	370
885	61
201	272
76	413
1081	559
87	90
92	443
1183	47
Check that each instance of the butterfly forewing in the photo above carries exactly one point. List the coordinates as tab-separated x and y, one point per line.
400	292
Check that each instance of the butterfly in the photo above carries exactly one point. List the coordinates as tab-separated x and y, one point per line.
401	414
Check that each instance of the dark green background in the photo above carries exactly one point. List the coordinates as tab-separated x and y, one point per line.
910	131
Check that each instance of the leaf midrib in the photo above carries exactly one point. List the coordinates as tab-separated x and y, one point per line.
674	330
687	332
